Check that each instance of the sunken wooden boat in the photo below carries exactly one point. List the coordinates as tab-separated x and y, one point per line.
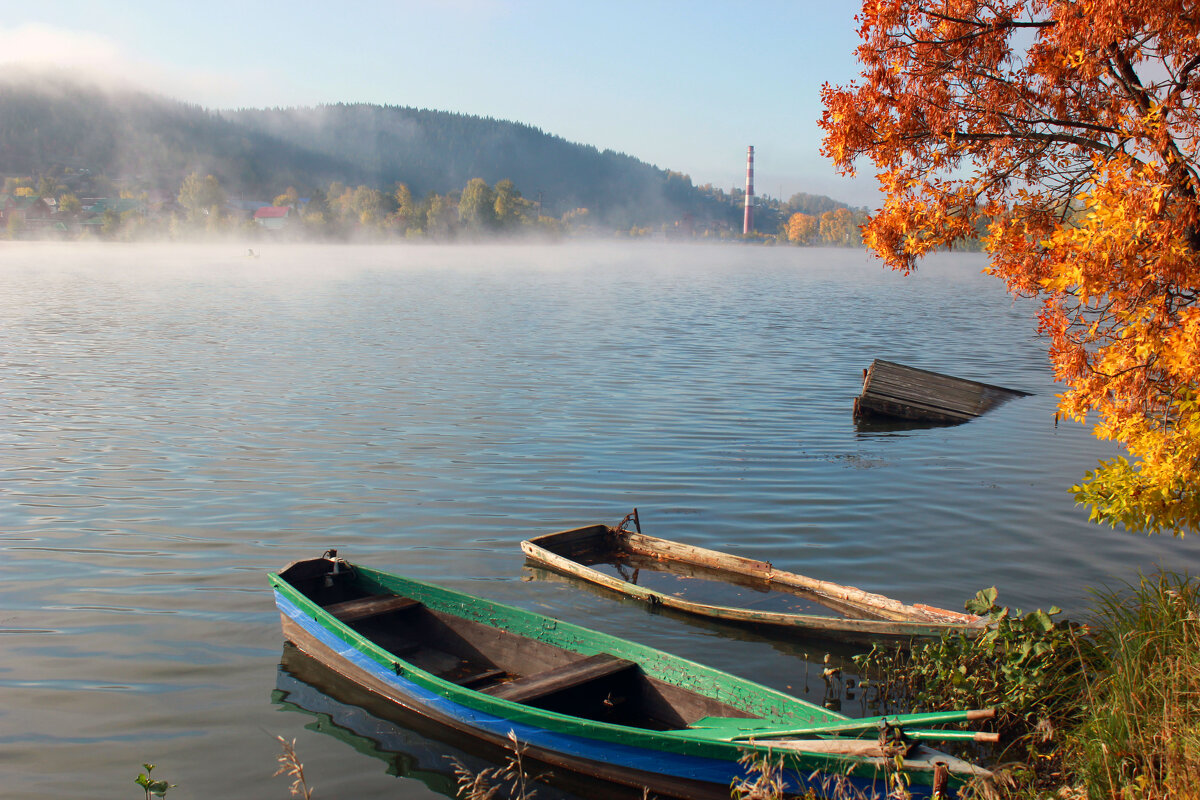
899	392
736	590
591	703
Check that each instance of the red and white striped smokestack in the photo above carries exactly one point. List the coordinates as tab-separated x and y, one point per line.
748	221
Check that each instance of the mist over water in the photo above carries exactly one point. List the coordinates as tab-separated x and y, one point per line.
177	421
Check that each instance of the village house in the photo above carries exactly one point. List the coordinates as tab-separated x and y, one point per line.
274	217
118	205
26	212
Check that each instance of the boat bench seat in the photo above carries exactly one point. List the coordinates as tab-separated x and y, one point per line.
477	679
568	676
373	606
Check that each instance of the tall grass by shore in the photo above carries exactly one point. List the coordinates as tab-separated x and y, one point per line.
1141	734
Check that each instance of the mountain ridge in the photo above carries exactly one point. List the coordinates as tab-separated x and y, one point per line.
152	141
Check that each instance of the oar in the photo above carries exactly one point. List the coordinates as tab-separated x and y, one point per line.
870	723
952	735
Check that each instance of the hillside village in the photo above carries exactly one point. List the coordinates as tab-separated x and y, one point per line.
26	216
47	208
30	216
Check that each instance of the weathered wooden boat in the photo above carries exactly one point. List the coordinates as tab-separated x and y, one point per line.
897	391
592	703
737	588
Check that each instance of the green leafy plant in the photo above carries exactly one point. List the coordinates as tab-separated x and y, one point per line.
1033	669
152	786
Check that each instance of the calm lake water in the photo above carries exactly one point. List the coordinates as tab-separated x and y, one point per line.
177	422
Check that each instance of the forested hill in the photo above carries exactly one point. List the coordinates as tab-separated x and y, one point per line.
440	151
139	139
148	142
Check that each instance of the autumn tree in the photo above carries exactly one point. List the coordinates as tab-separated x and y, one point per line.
369	206
340	200
70	204
1071	129
110	222
839	228
316	211
802	228
201	197
441	216
406	208
477	206
577	219
509	206
289	197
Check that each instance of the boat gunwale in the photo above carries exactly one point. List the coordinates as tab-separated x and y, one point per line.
917	626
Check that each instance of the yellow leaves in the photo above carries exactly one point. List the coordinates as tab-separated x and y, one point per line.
1123	350
802	228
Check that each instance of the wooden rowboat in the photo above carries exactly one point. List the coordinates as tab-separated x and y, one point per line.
733	589
590	703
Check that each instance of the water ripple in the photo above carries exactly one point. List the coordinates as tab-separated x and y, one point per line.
177	422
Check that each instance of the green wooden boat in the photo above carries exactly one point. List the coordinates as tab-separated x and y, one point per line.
591	703
735	590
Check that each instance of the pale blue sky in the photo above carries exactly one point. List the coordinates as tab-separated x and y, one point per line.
683	85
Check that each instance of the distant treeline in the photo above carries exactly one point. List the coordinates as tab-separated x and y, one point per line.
148	143
842	227
61	136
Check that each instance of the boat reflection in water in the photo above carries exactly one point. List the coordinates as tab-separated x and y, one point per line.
408	744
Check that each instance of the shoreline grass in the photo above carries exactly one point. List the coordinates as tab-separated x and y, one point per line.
1141	737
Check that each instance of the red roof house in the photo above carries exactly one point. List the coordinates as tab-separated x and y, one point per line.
274	217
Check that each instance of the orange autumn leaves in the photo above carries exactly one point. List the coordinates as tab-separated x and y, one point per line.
1070	132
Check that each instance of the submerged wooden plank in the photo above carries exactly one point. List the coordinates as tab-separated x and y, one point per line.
899	391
